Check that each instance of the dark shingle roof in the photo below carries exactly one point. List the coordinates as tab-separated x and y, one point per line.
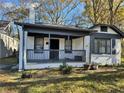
56	27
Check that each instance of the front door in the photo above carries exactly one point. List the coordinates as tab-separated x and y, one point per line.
54	49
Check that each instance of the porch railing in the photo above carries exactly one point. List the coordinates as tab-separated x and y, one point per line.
55	55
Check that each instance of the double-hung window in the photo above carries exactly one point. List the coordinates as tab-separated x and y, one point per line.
38	44
68	45
102	46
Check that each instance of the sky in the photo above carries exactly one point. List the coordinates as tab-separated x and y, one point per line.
16	2
11	1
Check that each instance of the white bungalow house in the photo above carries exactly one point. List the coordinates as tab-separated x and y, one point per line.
48	46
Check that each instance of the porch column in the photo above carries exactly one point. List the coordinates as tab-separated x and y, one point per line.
21	51
49	41
68	38
49	46
25	49
83	42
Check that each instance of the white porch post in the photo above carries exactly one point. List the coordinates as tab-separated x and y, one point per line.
49	41
49	46
25	49
21	51
68	38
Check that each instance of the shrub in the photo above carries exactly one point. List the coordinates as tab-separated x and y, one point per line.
65	69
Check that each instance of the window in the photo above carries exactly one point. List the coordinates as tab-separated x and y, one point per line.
113	46
104	28
38	44
68	45
102	46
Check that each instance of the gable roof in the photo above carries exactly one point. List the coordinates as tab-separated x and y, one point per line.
113	27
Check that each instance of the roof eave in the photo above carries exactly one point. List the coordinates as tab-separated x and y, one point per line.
54	27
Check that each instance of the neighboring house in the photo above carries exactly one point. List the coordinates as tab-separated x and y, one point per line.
8	45
48	46
3	25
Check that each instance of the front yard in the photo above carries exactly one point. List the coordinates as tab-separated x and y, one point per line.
9	60
104	80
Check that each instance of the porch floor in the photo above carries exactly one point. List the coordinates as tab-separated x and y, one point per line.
50	64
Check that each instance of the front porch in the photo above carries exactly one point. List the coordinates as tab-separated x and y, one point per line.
55	56
53	51
49	48
44	46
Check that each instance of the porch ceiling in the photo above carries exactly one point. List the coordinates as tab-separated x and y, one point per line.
52	35
55	29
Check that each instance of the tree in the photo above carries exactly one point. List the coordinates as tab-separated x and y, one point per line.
58	11
104	11
114	8
11	11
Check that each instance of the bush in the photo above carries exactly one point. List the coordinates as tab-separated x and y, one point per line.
65	69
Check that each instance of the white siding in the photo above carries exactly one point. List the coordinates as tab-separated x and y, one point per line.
110	31
101	59
118	49
46	46
77	44
52	65
87	47
62	44
30	42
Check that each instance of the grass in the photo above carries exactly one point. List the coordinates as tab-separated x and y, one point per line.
8	60
122	60
104	80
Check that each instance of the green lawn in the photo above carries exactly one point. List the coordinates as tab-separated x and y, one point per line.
104	80
122	59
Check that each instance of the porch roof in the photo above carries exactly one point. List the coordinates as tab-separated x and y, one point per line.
55	29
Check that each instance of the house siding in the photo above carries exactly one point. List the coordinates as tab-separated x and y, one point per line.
77	44
51	65
110	31
104	59
87	48
109	59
